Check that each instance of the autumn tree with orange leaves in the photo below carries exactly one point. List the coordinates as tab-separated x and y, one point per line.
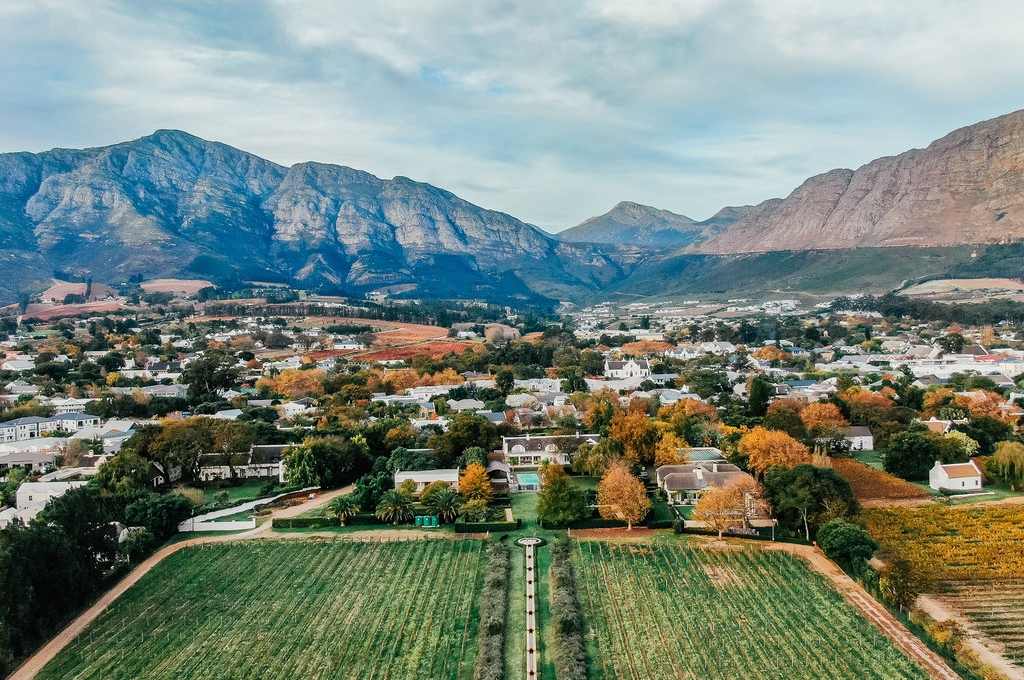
671	450
295	382
765	448
722	508
823	419
622	496
637	433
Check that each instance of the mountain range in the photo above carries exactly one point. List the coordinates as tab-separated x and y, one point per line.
172	204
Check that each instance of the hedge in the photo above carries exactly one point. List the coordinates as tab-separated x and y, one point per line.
304	522
566	618
462	527
490	658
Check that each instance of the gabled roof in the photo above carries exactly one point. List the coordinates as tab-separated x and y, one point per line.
961	470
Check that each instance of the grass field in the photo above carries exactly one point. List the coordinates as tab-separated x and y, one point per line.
290	609
666	610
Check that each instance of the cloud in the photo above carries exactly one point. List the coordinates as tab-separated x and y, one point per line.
550	111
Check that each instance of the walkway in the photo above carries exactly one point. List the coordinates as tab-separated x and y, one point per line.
32	665
531	616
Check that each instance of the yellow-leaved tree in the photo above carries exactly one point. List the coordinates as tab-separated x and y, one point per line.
671	450
474	484
765	448
622	496
722	508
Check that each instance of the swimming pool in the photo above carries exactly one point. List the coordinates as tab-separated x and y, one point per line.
528	478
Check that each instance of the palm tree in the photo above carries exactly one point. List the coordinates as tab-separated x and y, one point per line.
394	507
445	504
344	507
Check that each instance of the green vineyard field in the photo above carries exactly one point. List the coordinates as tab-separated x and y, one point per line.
276	610
664	610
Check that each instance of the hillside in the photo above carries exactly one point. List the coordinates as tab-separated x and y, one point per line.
172	204
965	188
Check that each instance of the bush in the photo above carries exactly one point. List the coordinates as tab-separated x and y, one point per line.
490	660
305	522
462	527
566	619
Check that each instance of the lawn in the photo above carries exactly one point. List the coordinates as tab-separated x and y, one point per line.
249	490
291	609
663	609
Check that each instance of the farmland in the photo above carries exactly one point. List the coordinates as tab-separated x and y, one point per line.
972	556
871	485
290	609
665	610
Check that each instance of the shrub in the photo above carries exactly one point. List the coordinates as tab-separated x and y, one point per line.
566	619
490	660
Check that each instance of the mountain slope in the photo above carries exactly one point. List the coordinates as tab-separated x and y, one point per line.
172	204
967	187
632	224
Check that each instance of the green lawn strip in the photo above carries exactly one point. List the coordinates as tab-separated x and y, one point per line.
248	490
545	646
515	628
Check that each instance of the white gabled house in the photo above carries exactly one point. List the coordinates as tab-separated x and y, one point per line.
423	478
955	476
628	368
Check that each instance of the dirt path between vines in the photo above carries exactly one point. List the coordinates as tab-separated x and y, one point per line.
933	606
32	665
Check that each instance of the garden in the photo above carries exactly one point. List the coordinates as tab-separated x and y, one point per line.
664	609
289	609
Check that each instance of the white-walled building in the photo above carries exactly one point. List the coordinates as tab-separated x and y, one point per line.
955	477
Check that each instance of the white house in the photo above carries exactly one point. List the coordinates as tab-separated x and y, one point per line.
532	451
629	368
32	497
860	438
425	477
955	477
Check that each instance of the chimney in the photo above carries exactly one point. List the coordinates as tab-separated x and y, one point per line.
699	473
714	467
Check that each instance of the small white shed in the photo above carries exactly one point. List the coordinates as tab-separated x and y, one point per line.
955	476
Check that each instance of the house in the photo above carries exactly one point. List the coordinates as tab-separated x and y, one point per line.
629	368
425	477
32	461
530	451
683	484
262	461
860	438
32	497
955	477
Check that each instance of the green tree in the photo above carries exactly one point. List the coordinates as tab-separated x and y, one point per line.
560	500
1007	464
761	392
505	381
328	462
160	513
594	459
213	371
910	455
807	497
848	545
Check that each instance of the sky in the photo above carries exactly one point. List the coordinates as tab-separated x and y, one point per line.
550	111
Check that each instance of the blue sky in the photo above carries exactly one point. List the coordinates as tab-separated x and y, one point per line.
552	112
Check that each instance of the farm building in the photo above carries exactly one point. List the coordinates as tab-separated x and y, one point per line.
425	477
955	477
860	438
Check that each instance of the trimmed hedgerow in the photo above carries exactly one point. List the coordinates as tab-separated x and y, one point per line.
566	618
490	659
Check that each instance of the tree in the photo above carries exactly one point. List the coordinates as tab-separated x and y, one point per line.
328	462
474	484
722	508
637	433
505	381
432	489
910	455
445	504
407	488
784	415
560	500
848	545
402	459
671	450
160	513
1007	464
343	507
213	371
465	430
822	419
807	496
766	448
622	496
394	507
474	511
594	459
758	396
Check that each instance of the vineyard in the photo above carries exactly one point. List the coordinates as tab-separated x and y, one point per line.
953	543
870	484
664	610
288	609
973	555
